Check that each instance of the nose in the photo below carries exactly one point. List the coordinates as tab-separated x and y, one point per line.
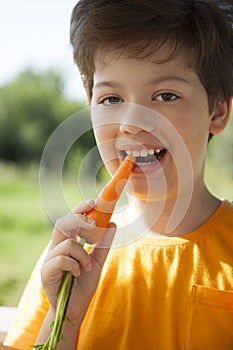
134	120
126	128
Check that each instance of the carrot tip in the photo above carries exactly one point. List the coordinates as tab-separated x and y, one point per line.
130	157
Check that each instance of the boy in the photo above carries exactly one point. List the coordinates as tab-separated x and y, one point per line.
151	67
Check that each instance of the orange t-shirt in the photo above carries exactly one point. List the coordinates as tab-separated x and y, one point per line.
163	294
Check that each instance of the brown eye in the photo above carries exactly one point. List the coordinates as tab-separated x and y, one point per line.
166	97
112	100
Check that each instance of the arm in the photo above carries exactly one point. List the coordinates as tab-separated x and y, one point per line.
66	254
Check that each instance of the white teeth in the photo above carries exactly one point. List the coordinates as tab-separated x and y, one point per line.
143	153
136	153
143	164
151	151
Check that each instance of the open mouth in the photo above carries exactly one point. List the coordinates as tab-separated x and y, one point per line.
145	156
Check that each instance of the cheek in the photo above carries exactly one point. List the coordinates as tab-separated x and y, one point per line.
193	131
195	137
105	139
102	133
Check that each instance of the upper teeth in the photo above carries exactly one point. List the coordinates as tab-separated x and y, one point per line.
144	152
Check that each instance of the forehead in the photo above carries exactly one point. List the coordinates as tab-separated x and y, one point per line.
112	62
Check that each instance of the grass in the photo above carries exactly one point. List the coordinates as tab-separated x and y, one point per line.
25	228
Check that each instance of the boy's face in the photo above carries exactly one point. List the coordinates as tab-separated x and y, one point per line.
157	110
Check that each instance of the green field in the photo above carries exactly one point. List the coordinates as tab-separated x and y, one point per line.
25	228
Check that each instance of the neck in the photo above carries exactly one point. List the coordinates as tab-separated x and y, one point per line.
173	217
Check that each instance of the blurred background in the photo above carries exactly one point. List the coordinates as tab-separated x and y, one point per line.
39	88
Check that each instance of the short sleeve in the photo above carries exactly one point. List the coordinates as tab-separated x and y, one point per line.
31	311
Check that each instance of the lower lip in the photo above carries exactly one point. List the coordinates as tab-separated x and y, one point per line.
149	168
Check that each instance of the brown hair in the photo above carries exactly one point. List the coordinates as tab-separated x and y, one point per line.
203	27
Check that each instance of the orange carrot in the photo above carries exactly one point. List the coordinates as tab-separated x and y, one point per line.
106	201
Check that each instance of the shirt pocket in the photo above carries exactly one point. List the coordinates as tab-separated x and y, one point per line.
210	319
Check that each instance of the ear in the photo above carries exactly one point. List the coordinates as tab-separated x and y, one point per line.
220	116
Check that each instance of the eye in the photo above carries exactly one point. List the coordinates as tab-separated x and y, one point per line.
111	100
166	97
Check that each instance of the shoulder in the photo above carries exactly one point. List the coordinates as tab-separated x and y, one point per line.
226	215
221	227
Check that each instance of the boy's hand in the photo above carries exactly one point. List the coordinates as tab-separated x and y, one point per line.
66	254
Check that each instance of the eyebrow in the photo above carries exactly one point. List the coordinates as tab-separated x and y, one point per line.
112	84
167	78
153	81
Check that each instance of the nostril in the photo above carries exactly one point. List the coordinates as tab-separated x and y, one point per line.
130	129
135	128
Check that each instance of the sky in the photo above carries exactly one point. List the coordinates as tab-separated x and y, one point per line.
36	34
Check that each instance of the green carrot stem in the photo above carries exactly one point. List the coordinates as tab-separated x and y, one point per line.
62	304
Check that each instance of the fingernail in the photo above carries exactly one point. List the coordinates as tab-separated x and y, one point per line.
90	221
90	202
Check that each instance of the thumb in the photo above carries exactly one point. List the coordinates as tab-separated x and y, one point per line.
102	247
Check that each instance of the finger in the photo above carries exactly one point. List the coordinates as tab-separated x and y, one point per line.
69	226
84	207
72	249
53	270
102	247
73	222
75	218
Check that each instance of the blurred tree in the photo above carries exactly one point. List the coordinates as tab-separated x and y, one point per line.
31	107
